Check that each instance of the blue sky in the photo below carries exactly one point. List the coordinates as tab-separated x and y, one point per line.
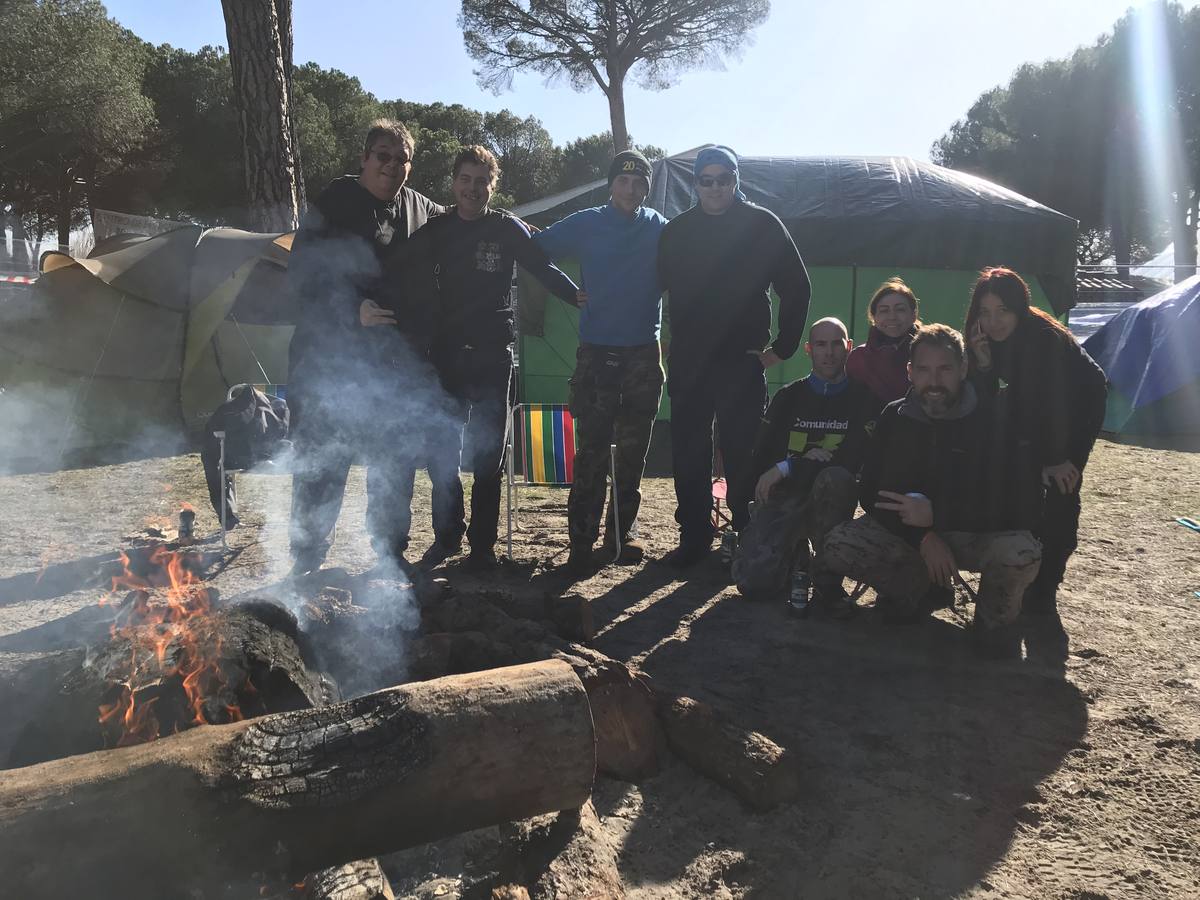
822	77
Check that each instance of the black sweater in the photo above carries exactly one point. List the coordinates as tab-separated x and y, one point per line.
1056	391
337	261
717	271
803	415
459	277
971	467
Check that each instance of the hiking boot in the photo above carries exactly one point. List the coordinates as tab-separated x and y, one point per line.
1000	643
632	552
437	553
480	560
1046	640
687	554
832	600
305	563
579	562
729	542
798	593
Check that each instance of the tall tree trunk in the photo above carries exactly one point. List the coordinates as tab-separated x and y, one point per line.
616	111
283	11
260	91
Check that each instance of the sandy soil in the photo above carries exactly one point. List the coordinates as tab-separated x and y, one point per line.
928	774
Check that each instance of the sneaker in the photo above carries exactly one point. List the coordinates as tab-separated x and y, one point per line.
687	554
305	563
798	596
833	601
437	553
729	542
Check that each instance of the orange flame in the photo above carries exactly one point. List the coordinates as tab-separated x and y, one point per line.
166	604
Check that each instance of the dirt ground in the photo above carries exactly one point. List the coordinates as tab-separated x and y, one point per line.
927	773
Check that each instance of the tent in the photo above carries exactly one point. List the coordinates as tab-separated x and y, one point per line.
131	349
1148	352
856	221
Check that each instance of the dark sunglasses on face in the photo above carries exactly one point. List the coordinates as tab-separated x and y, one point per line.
384	157
707	181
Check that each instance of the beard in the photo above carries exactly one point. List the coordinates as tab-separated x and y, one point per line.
938	402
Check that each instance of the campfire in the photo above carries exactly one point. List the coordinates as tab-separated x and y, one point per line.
174	678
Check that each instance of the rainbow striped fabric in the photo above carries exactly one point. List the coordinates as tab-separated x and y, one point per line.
547	433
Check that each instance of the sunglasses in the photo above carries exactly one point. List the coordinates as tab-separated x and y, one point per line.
384	157
707	181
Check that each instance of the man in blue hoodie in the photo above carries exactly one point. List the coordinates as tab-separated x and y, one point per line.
618	378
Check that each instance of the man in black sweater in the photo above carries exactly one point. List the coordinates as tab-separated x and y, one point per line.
460	268
356	372
809	450
945	486
718	261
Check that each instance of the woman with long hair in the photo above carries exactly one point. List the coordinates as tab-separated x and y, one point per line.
1055	396
882	362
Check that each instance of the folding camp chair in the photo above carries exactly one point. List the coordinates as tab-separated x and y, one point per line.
229	487
542	437
722	516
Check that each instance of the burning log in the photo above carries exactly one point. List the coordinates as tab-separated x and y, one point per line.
345	782
154	680
751	765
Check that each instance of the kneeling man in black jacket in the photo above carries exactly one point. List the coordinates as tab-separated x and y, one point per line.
809	450
945	487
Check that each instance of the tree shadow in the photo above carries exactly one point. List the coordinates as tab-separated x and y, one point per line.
919	762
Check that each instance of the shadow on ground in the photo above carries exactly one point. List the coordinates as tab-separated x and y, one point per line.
920	762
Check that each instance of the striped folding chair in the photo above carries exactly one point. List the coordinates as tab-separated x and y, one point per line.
541	450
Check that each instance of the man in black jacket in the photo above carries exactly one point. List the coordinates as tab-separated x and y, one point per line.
718	261
460	267
355	375
944	487
809	450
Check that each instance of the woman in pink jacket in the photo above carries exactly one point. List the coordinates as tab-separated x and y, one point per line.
882	362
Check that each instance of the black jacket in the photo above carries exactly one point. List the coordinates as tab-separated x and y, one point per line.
804	415
973	469
457	279
337	261
717	271
1056	392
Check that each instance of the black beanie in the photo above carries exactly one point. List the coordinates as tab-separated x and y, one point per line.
629	162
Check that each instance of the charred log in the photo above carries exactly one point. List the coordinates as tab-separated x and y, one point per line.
155	680
345	782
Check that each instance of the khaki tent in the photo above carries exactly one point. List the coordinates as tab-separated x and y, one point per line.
128	352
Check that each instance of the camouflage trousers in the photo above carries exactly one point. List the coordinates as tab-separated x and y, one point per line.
614	399
776	539
1006	560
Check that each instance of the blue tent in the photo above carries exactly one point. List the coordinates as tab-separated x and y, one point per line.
1149	353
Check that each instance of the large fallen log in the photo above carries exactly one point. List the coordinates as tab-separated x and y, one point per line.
208	807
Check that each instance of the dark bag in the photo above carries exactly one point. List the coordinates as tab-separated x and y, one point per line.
256	429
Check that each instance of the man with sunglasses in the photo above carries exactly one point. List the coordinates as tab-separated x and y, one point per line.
717	262
350	363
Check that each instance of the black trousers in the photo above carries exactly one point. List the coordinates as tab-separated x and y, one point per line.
326	447
478	381
1059	534
733	393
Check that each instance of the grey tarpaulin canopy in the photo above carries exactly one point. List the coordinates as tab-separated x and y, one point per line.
876	211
